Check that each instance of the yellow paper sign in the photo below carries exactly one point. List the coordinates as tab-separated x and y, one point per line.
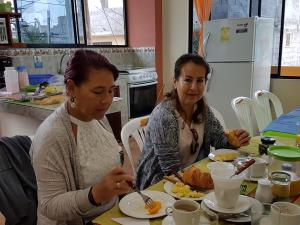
225	34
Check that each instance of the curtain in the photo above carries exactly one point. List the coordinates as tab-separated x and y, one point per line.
203	9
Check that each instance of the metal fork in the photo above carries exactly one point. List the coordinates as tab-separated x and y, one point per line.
148	201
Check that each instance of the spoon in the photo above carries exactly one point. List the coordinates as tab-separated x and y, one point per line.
243	167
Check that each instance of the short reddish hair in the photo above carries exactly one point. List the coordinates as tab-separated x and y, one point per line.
84	60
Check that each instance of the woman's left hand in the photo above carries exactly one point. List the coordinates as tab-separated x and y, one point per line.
243	136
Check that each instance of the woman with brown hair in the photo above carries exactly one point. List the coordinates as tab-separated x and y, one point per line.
182	128
75	157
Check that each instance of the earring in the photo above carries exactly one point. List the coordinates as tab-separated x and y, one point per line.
73	103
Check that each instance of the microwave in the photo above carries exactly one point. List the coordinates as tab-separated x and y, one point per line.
3	32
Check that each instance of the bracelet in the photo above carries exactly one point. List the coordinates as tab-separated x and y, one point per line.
91	198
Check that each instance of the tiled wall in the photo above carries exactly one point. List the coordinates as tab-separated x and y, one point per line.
51	57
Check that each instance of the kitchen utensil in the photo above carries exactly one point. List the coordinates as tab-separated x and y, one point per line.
243	167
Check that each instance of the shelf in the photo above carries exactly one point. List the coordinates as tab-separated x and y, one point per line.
7	27
13	45
9	14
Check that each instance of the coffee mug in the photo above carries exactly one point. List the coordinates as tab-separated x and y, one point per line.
283	213
258	169
184	212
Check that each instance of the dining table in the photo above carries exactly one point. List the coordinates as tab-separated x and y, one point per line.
285	125
249	187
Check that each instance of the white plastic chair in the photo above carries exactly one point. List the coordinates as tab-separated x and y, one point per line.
264	99
135	128
219	116
244	108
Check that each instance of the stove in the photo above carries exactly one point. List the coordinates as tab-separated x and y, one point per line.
140	91
139	75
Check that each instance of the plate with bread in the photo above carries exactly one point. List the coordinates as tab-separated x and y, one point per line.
223	155
193	185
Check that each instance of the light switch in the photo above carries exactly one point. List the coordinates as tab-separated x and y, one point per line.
38	63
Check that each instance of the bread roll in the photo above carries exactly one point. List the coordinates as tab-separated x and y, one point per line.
198	179
232	139
56	99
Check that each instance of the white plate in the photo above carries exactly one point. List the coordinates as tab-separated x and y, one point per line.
241	206
168	220
134	206
168	187
220	165
220	152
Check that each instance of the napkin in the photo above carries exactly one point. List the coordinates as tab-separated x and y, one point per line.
131	221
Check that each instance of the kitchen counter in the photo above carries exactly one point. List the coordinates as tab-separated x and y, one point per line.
23	118
41	112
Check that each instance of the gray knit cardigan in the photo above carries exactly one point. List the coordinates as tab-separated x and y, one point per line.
160	155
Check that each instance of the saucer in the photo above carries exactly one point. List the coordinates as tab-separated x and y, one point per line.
241	206
229	217
168	220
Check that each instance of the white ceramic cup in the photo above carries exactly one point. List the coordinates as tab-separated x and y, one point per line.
285	213
258	169
184	212
227	190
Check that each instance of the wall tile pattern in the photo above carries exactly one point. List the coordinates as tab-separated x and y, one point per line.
51	57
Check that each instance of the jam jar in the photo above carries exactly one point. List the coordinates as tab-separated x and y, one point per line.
264	145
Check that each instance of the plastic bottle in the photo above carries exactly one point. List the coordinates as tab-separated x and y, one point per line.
23	76
11	80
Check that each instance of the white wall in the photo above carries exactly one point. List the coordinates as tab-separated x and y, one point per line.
175	16
288	91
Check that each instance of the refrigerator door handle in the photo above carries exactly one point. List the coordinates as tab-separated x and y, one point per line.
205	41
209	77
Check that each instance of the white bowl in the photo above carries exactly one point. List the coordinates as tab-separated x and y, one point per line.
219	165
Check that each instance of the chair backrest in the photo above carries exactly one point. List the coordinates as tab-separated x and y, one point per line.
244	108
219	116
264	99
135	128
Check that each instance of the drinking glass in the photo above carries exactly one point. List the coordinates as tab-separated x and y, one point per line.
260	214
208	217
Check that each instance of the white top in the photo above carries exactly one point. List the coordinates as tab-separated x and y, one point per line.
98	152
186	139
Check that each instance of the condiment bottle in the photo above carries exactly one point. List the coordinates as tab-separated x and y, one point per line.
264	191
265	143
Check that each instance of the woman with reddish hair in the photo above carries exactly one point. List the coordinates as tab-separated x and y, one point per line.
75	156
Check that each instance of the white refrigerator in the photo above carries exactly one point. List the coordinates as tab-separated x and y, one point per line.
239	52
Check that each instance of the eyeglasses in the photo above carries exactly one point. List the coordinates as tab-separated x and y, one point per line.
194	144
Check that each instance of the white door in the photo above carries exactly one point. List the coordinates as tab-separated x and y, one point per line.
229	40
229	80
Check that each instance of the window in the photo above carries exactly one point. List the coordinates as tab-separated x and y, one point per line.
46	22
291	36
71	22
286	39
230	9
105	22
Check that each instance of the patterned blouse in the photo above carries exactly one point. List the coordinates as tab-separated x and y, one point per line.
161	155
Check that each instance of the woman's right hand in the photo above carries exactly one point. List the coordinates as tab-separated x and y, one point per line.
115	183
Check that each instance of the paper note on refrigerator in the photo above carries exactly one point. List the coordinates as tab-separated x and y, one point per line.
225	34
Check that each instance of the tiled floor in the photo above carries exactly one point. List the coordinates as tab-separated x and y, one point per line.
135	150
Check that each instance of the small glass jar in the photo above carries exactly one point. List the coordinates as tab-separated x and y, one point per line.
264	145
281	185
